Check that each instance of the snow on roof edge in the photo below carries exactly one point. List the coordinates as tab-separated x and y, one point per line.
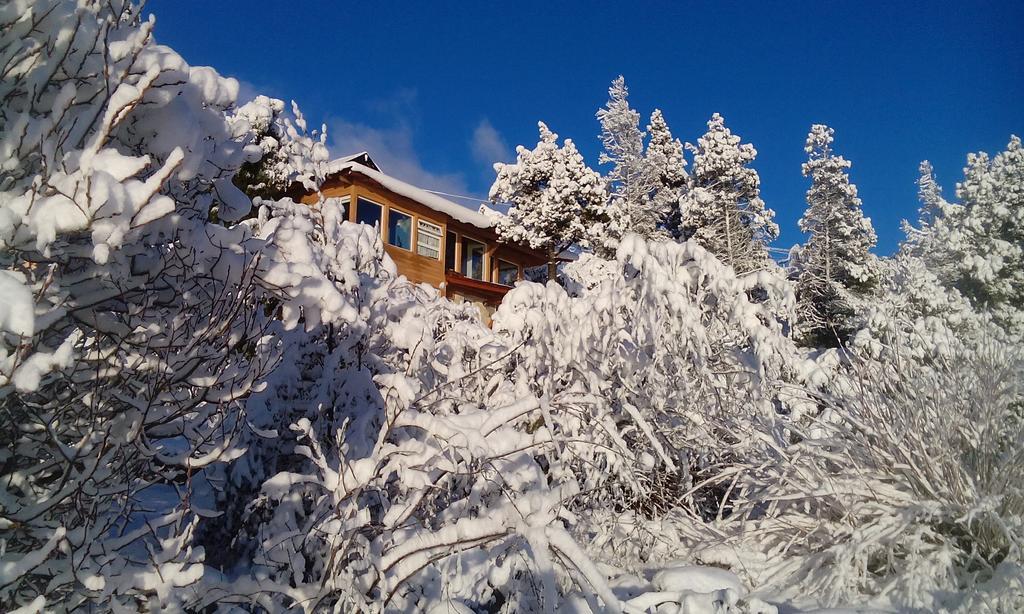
425	198
355	157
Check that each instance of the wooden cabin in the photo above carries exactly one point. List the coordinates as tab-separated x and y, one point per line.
431	239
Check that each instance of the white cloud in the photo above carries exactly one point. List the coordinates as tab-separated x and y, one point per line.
488	146
393	151
392	147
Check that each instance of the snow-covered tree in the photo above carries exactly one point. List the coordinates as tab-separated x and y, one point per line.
631	183
623	143
976	246
266	177
913	315
554	196
836	262
936	216
983	240
929	193
723	211
288	153
666	166
670	349
130	330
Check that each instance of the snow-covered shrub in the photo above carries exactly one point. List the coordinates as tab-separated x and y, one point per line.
586	272
129	332
908	490
914	316
671	365
393	463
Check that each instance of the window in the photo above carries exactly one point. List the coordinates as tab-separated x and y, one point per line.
428	239
449	251
472	258
508	273
399	229
367	213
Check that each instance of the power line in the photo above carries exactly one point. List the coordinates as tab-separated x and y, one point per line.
473	198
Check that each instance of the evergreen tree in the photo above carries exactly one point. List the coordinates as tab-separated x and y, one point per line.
983	241
263	177
629	208
927	241
666	166
288	153
555	197
724	212
933	205
835	263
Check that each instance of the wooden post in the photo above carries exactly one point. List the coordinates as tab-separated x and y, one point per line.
458	253
353	201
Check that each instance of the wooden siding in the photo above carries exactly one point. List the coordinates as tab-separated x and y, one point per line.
419	269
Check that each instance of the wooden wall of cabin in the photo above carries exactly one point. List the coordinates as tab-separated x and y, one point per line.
417	268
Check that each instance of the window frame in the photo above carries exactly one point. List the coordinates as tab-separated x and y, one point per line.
439	236
383	209
484	263
497	272
412	229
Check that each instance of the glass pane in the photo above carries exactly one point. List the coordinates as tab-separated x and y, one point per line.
367	213
428	239
508	273
449	251
473	259
399	229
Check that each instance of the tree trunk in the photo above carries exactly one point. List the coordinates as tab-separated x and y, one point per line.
552	265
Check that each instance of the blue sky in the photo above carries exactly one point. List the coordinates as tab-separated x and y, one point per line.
438	91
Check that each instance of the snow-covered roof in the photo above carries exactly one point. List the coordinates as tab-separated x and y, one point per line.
363	157
425	198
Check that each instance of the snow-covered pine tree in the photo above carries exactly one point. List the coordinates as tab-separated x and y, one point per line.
263	177
289	153
929	192
630	207
554	196
723	210
928	241
666	166
984	242
836	262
